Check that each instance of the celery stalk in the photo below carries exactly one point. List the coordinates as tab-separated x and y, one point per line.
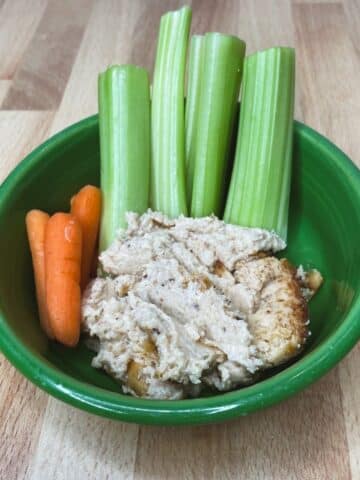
222	64
124	119
168	193
260	184
191	109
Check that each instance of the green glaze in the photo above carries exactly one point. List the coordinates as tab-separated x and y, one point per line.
324	231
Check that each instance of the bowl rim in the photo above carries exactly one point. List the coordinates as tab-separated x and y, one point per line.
190	411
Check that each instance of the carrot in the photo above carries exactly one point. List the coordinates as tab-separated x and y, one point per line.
86	207
63	243
36	222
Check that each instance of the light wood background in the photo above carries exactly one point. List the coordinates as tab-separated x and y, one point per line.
50	54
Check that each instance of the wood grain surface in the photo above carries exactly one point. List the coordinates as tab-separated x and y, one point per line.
50	54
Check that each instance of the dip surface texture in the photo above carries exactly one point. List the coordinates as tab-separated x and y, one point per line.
185	303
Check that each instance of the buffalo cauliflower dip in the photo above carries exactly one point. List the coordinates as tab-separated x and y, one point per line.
191	303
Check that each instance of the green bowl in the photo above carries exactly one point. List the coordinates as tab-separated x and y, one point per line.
324	232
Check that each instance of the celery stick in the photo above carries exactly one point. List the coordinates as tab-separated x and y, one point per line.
124	119
168	193
191	109
222	64
260	183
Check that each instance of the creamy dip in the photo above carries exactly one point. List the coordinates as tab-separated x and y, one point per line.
185	303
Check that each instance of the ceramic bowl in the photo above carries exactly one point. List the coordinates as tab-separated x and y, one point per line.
324	232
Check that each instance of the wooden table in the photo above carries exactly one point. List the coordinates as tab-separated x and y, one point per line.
50	54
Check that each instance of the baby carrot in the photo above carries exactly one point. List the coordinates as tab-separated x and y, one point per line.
63	243
36	222
86	207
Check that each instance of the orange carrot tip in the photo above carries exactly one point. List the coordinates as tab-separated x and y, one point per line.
86	207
